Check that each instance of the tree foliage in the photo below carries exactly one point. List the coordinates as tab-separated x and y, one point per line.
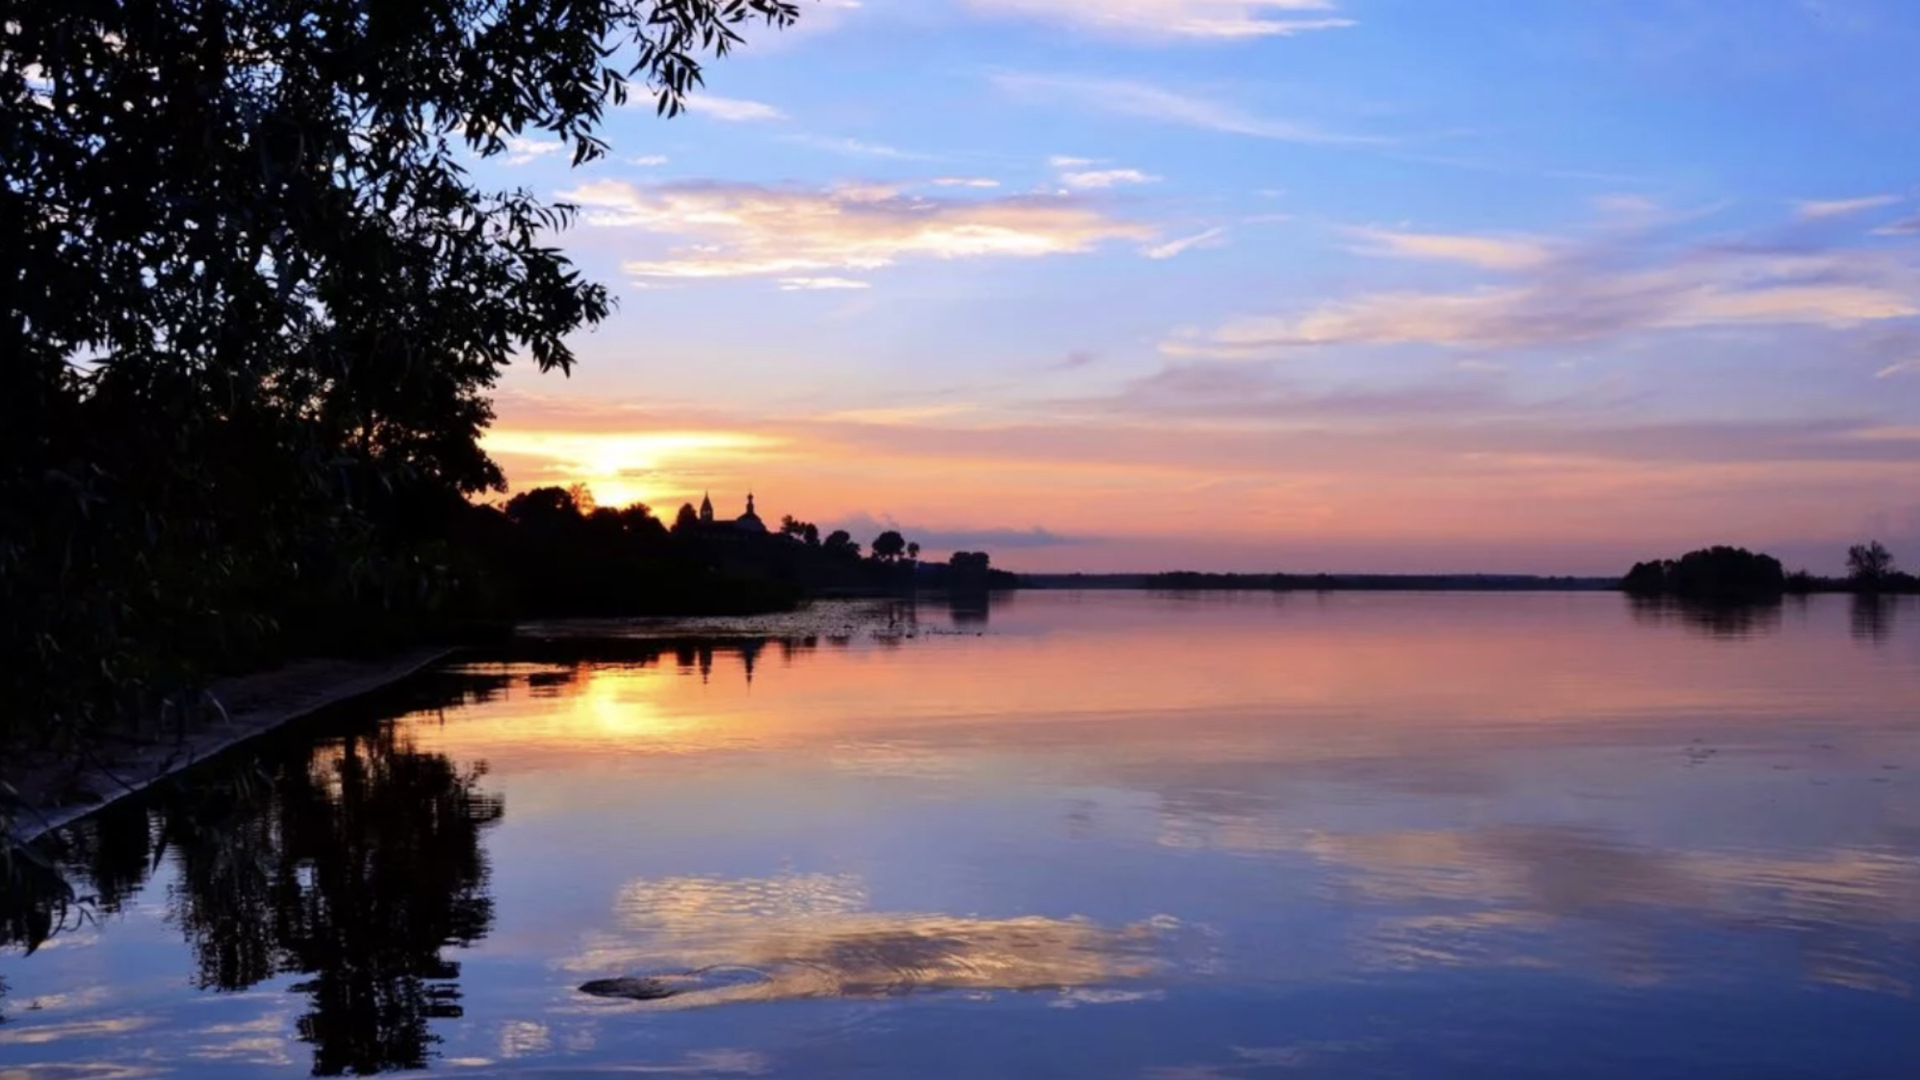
1716	573
1869	563
889	546
252	305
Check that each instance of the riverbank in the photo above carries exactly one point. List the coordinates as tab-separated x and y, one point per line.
52	791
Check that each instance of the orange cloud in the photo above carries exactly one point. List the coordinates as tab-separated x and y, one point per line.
746	230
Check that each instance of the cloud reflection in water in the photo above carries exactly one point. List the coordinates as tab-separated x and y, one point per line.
810	936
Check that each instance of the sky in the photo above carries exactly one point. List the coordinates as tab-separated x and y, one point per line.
1263	285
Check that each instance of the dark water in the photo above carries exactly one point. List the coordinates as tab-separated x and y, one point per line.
1114	835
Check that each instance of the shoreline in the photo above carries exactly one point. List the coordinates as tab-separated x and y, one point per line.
55	793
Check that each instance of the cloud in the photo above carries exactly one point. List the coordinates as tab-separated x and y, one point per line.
521	150
1105	178
648	160
1904	367
1215	19
797	284
1062	161
1490	253
1826	208
963	182
741	230
1210	238
814	936
1150	102
1566	293
733	110
862	526
859	148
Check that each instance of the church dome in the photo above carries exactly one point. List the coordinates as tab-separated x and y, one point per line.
750	521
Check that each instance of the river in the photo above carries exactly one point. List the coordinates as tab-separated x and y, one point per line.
1208	837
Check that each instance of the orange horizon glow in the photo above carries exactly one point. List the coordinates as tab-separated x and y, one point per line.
1124	497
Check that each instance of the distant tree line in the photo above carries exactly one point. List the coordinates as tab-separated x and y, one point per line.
1194	581
1735	574
550	552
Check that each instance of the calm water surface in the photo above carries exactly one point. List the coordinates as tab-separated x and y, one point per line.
1106	835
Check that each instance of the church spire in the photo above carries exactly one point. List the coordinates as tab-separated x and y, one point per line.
706	507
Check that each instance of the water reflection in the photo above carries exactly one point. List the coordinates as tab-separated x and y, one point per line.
1873	616
1106	835
972	609
356	865
1852	917
1721	619
813	936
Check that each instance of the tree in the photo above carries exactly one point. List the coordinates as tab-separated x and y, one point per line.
913	550
252	305
687	520
970	562
889	546
840	543
1713	574
543	507
1869	564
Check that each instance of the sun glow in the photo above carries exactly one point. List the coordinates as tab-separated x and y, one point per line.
622	468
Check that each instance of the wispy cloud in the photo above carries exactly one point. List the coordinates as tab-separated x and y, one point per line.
1216	19
733	110
648	161
1209	238
740	230
1812	209
859	148
814	284
1904	367
1566	293
1105	178
1149	102
1487	252
964	182
521	150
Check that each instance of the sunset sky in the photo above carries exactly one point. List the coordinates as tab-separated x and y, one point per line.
1406	285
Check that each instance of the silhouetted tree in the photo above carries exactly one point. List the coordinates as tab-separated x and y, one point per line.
972	562
913	550
889	546
252	305
800	530
543	508
1715	574
1869	564
841	544
687	520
